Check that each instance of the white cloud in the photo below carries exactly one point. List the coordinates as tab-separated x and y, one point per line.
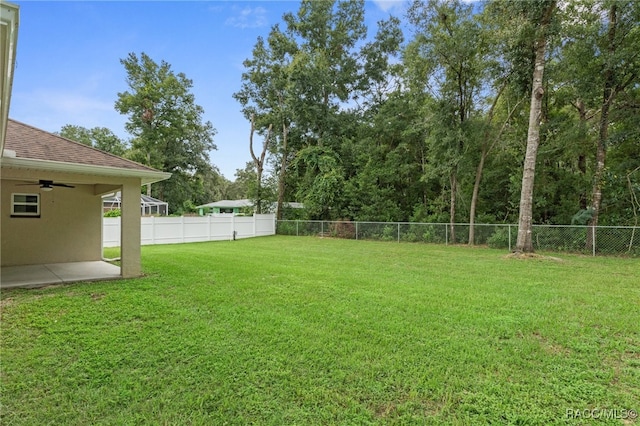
248	17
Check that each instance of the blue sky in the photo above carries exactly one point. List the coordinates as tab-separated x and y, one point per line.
68	68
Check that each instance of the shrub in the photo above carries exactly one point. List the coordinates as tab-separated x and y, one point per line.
113	213
499	239
389	233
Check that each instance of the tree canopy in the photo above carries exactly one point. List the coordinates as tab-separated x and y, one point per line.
434	127
99	137
442	114
167	129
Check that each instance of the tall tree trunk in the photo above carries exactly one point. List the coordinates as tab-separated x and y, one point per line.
474	197
283	172
148	185
524	244
609	93
259	163
582	158
480	168
452	207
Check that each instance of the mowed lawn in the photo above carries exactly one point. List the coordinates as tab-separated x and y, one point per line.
309	331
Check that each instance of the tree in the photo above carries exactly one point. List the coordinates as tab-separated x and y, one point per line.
259	165
449	50
542	16
298	81
323	76
99	137
602	48
166	125
265	97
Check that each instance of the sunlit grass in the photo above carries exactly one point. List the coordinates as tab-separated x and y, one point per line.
287	330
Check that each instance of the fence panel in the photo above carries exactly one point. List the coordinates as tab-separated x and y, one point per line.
299	228
561	238
243	226
377	231
618	239
265	224
609	240
111	232
195	229
171	230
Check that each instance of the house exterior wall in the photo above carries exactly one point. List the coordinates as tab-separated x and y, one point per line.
68	229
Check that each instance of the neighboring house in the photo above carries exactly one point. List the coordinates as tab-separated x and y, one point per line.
149	206
225	206
237	207
51	200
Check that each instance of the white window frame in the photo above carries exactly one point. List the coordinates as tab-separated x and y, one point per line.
15	203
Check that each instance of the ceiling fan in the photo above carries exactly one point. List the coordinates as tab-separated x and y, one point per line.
47	185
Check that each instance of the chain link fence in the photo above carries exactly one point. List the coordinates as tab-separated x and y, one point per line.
601	240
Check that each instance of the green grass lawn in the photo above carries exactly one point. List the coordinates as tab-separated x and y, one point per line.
308	331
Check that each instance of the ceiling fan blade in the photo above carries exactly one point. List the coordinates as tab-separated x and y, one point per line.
46	184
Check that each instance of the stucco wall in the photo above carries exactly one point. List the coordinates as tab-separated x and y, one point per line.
68	229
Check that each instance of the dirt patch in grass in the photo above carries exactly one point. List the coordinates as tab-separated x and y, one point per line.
550	347
531	256
6	302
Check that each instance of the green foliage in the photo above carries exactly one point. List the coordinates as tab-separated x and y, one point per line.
167	129
499	239
582	217
385	127
113	213
322	180
99	137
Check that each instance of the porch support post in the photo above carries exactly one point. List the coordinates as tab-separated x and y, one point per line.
130	230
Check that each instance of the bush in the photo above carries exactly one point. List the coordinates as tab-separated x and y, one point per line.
113	213
389	233
499	239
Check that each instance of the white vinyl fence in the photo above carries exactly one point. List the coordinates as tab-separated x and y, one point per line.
170	230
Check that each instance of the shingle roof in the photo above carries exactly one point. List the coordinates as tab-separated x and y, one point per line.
244	203
36	144
229	204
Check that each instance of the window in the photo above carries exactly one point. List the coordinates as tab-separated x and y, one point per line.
25	205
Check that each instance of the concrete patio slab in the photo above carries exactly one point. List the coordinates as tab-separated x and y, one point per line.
30	276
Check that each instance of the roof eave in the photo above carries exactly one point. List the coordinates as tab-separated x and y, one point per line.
146	176
8	39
